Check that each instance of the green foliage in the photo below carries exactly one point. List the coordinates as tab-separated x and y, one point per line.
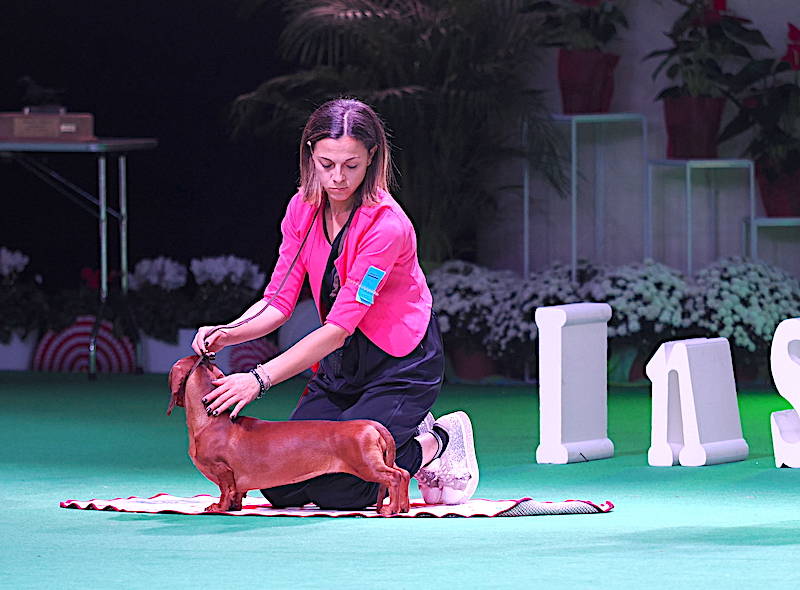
159	313
449	79
767	94
705	44
579	25
24	308
212	304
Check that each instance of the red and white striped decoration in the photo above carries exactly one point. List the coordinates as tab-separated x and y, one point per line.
68	350
247	355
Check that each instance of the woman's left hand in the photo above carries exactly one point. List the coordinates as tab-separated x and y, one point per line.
237	390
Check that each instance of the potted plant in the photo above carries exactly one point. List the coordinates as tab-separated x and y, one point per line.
707	40
160	304
225	287
770	107
582	29
512	329
465	298
23	306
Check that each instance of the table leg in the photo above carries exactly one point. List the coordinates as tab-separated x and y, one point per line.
574	198
647	182
123	222
103	230
599	193
688	179
753	229
526	195
648	213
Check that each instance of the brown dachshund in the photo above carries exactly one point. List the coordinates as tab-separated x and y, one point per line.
248	454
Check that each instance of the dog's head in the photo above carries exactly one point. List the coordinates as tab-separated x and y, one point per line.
178	376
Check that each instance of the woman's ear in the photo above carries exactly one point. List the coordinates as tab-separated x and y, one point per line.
372	154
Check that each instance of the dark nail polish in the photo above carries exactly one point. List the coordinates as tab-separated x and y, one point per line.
215	412
205	402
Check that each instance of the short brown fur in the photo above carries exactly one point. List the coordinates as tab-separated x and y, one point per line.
253	454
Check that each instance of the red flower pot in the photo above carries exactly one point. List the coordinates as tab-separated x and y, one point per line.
692	126
470	364
781	194
586	79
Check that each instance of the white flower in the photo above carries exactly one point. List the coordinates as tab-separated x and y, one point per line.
233	269
12	262
644	297
744	301
161	272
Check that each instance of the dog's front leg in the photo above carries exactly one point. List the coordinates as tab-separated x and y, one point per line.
229	498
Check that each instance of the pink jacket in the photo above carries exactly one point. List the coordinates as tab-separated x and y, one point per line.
395	314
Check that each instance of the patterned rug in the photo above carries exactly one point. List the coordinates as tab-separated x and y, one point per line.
167	504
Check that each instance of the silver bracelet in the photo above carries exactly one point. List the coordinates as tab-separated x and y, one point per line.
262	387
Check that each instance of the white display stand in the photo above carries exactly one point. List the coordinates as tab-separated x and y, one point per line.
695	416
573	412
785	364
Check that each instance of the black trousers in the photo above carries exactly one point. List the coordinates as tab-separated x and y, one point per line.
361	381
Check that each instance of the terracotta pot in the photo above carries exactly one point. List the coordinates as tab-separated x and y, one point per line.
586	79
692	126
470	364
781	195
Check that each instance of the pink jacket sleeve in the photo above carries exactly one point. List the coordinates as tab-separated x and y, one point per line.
293	233
379	247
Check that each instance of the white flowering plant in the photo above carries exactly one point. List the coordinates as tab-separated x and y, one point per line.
23	306
512	332
226	285
648	301
744	301
465	299
159	298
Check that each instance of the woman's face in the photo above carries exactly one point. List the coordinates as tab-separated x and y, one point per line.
341	165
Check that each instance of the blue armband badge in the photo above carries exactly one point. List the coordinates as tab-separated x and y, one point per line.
369	285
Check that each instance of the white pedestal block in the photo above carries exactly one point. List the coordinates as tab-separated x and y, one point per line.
17	354
573	411
695	415
785	365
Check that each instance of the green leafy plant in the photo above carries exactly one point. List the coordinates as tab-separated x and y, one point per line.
449	79
767	94
225	286
159	297
23	307
706	43
580	24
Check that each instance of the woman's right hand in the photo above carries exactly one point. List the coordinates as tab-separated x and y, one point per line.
203	343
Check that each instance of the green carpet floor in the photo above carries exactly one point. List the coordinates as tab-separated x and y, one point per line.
727	526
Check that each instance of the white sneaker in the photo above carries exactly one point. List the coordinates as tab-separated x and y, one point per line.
453	477
426	425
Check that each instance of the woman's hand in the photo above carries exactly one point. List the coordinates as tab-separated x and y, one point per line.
216	342
237	390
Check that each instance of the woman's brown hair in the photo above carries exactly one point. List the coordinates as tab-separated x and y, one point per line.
351	118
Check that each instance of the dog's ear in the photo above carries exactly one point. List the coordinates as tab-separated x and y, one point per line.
177	381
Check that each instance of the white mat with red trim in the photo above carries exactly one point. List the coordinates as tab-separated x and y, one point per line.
167	504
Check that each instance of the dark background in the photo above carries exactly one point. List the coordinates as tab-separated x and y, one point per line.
147	68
